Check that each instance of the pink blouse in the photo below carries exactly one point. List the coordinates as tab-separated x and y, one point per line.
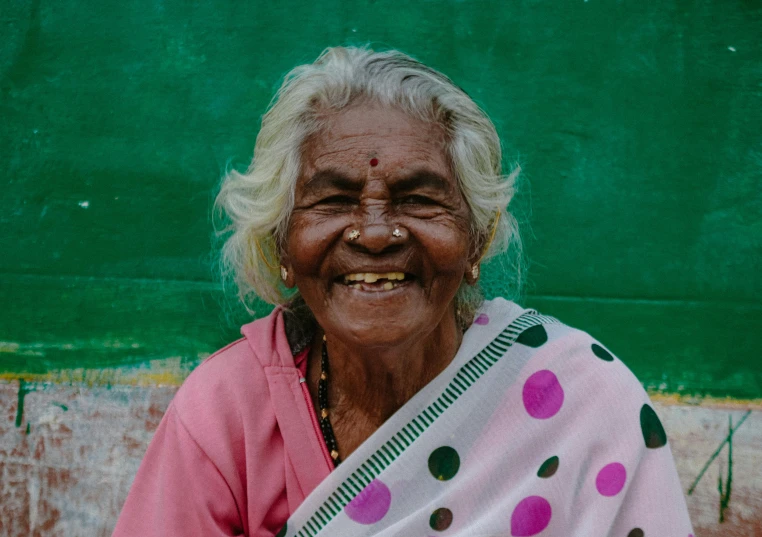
238	449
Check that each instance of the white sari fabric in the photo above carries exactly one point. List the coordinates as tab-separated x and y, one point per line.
533	429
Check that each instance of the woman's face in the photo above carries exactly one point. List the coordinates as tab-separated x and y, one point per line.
373	170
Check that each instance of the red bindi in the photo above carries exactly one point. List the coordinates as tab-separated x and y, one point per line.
374	162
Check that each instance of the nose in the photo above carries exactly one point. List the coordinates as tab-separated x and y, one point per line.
375	238
376	230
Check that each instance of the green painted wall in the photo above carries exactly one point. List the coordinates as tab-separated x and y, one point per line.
638	125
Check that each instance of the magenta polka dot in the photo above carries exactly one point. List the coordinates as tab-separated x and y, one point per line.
482	319
611	479
543	395
531	516
371	505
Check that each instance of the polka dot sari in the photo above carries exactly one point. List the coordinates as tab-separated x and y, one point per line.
533	429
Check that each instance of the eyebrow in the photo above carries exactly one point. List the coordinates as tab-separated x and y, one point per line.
332	178
421	179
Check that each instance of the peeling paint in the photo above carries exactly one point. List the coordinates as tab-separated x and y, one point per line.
165	372
23	390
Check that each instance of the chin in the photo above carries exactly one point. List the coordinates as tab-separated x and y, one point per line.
382	328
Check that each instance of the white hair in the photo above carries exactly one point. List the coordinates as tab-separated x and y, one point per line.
259	202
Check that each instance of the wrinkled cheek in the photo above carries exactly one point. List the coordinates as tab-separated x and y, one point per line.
444	241
450	264
307	245
445	286
449	256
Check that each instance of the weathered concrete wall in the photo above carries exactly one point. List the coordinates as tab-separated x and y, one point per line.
68	455
695	433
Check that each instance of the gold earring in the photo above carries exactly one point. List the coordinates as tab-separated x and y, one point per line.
475	271
283	273
263	256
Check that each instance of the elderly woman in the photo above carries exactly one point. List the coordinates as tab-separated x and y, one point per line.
383	396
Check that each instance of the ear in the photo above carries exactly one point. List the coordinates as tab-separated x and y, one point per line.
286	272
473	264
473	272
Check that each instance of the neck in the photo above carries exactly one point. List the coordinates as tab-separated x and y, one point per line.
372	383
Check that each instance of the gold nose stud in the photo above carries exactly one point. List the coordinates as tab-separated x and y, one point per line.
354	235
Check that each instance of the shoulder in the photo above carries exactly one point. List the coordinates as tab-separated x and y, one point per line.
565	366
574	378
228	393
236	370
223	376
579	357
547	342
208	405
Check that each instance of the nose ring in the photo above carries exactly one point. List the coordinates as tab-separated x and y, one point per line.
396	232
353	235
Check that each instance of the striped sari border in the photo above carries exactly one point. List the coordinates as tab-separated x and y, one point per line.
385	455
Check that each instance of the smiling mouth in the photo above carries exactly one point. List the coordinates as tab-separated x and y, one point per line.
375	282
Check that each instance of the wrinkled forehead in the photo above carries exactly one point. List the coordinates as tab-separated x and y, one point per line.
371	138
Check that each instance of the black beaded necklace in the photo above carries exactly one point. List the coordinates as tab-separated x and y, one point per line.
325	421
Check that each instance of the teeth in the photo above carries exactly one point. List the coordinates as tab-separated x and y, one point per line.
372	277
387	286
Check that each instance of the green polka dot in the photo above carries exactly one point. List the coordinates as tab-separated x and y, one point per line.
444	463
283	530
653	432
548	468
534	336
602	353
440	519
636	532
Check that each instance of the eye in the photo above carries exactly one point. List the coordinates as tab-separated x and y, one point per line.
416	199
338	199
